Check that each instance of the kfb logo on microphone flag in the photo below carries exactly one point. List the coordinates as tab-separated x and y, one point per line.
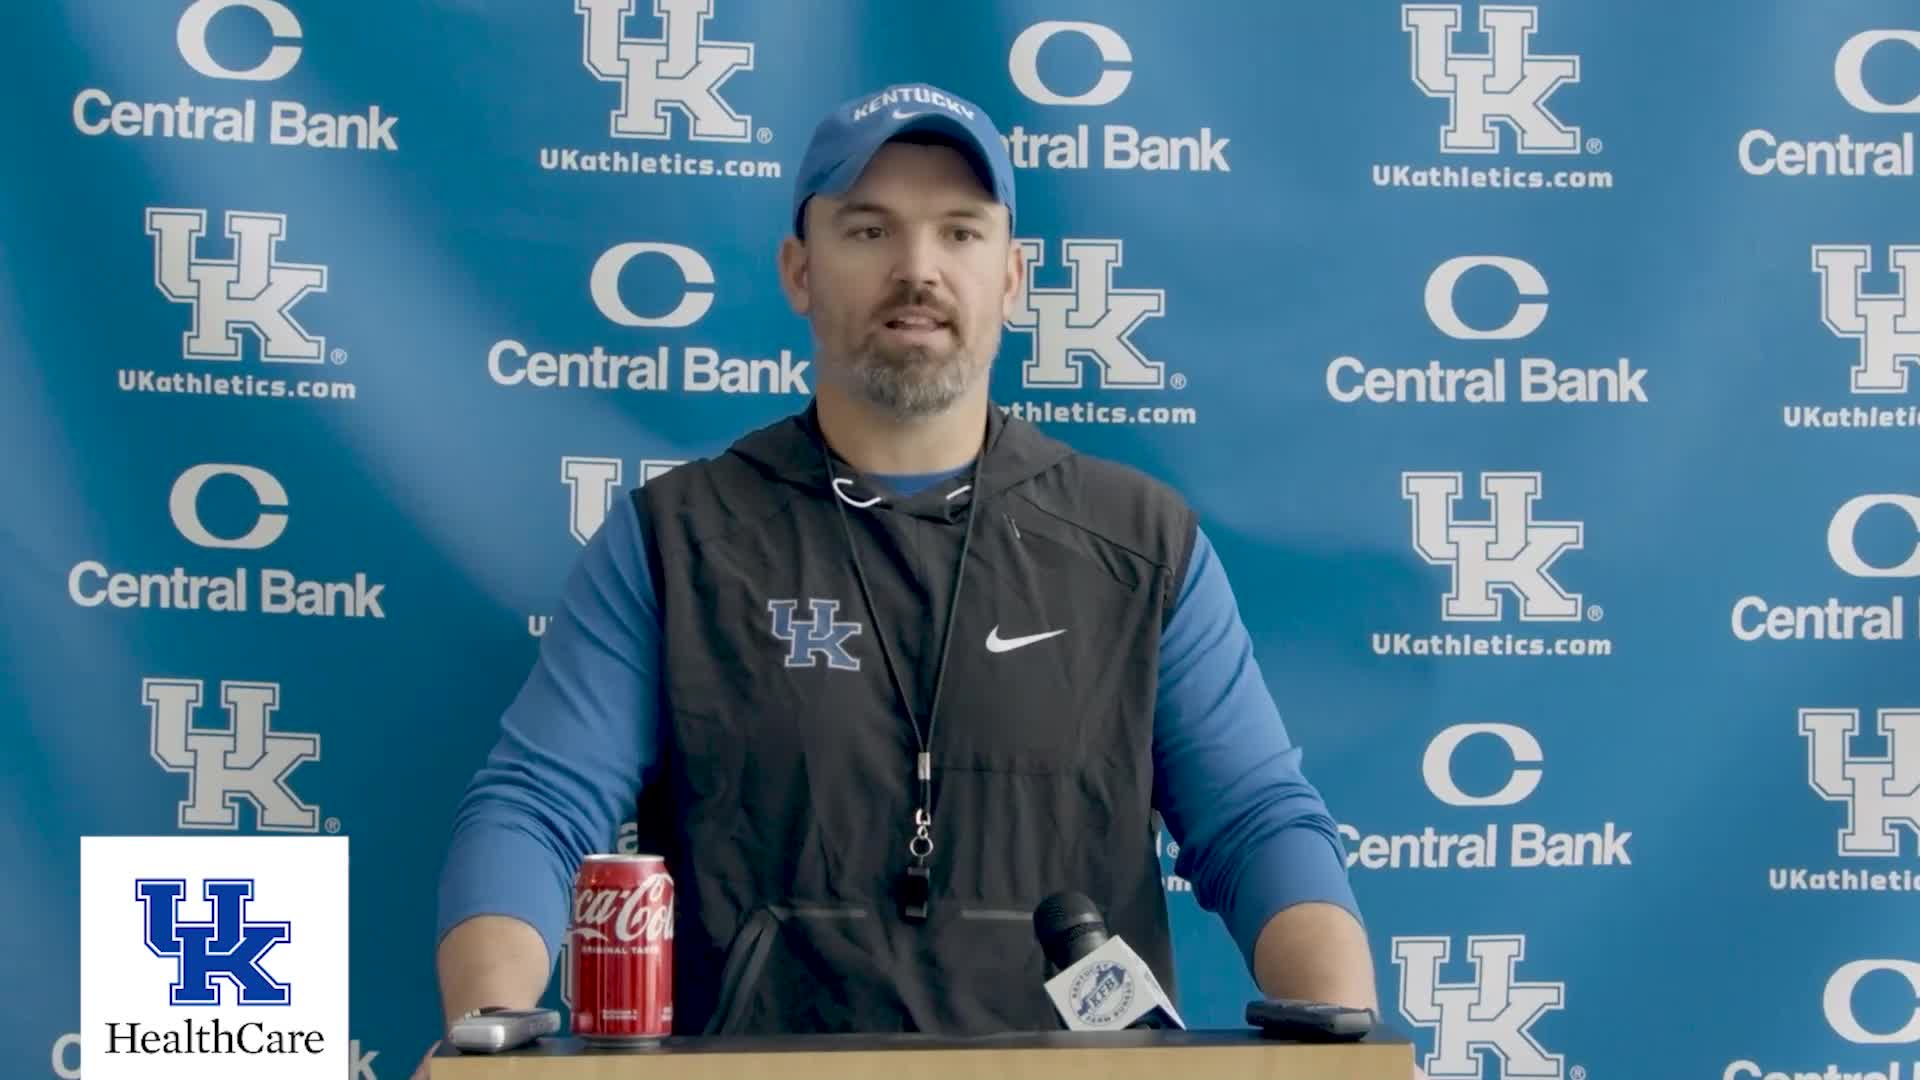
213	957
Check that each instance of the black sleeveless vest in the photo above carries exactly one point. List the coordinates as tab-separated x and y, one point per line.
785	791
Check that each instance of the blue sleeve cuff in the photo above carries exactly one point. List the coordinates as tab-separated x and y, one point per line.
476	881
1293	866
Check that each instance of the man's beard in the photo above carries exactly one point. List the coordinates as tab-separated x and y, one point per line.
909	382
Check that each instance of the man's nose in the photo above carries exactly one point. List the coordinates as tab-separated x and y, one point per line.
918	259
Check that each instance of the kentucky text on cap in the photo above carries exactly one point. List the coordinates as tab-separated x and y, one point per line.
854	130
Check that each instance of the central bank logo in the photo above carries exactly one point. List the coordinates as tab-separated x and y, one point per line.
1494	1013
1508	555
1535	380
1089	321
820	637
657	366
1761	152
679	73
251	292
1755	617
1879	792
228	950
1436	765
246	761
1886	326
1504	88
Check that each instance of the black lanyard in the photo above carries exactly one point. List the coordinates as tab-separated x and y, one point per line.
914	884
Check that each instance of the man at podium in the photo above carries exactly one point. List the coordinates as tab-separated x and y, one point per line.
883	675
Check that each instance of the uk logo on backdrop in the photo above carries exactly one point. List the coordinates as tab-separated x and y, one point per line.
221	957
248	760
1081	335
1875	340
259	42
655	287
1873	800
1877	147
670	78
239	296
1489	1017
593	483
1502	98
1500	568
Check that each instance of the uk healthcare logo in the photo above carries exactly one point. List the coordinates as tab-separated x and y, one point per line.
671	88
248	760
1498	567
1534	380
1761	152
1494	1013
191	966
96	112
653	366
1111	146
230	948
1499	101
820	637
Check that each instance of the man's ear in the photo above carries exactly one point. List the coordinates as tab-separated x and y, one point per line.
794	274
1016	278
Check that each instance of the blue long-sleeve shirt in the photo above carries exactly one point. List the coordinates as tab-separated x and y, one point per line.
582	735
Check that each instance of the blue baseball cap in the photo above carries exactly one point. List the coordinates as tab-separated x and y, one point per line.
849	135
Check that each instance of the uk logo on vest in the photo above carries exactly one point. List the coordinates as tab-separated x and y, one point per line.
818	639
1499	568
1498	101
213	957
277	52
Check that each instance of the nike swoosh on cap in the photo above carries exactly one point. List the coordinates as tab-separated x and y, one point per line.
998	644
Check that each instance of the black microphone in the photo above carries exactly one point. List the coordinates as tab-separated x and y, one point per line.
1101	984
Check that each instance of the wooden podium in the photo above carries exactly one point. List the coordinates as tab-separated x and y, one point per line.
1242	1054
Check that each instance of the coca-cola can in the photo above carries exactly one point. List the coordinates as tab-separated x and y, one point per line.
622	943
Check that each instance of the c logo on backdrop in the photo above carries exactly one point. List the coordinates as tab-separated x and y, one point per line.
1837	1001
1023	63
183	502
191	36
1436	765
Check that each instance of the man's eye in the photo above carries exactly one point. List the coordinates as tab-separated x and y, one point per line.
867	232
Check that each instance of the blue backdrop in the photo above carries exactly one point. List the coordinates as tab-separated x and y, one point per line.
1545	374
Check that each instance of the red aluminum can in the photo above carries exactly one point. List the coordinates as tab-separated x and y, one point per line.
622	944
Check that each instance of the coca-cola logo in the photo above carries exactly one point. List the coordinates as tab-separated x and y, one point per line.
641	914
